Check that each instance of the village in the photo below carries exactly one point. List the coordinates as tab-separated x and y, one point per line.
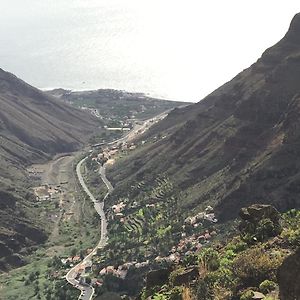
93	271
127	214
192	239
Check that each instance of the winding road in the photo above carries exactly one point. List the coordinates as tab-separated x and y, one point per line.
88	291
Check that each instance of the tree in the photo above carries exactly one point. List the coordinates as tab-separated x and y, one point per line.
56	262
73	252
36	289
31	276
88	280
81	255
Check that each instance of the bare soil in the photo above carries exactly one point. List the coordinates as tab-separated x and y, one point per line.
58	176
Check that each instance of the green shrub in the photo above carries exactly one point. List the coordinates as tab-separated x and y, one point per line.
225	262
158	296
204	290
267	286
237	245
175	293
174	274
230	254
256	265
267	228
147	292
291	232
224	277
248	295
190	260
209	259
292	236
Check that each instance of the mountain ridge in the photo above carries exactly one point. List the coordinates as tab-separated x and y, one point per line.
219	149
33	128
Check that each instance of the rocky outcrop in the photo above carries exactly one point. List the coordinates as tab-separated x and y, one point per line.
289	277
186	276
259	222
293	33
157	277
257	212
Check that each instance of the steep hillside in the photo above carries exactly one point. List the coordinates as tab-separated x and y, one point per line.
238	146
37	121
257	262
33	127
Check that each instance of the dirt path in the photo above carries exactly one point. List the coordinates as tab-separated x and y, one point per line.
58	171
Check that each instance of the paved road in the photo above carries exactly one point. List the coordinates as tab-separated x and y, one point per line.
87	291
139	129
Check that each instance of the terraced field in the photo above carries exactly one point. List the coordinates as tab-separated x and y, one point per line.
145	222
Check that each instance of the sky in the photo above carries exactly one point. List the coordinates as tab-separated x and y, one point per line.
175	49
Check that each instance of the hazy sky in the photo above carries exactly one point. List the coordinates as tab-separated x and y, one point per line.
172	48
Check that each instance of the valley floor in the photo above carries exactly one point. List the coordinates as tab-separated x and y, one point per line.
73	226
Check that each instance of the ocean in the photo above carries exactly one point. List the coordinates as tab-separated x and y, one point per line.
161	48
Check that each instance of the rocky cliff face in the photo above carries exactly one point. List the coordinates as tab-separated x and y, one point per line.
240	145
289	277
33	127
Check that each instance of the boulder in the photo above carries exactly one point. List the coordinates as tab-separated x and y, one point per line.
259	222
289	277
257	212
